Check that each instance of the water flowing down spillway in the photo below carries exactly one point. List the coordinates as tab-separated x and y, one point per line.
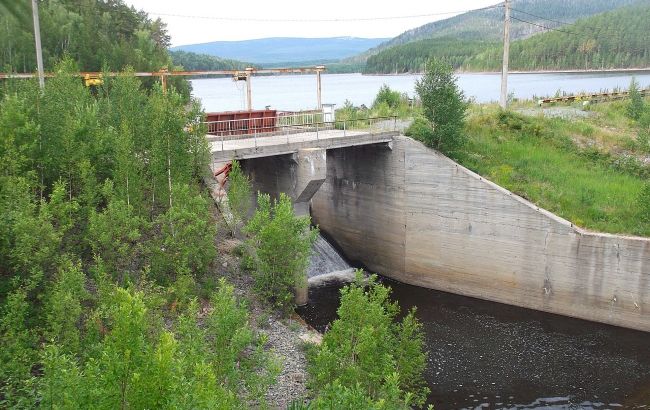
325	259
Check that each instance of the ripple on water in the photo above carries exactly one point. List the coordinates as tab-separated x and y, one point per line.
489	355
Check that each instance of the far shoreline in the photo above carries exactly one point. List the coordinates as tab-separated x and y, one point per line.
567	71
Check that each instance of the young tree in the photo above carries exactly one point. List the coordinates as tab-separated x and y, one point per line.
281	245
186	240
388	97
443	105
239	195
367	350
636	105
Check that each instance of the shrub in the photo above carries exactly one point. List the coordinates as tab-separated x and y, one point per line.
387	96
444	105
636	105
281	245
239	195
367	352
186	241
114	233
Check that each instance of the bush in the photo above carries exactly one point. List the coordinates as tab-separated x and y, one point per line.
240	200
281	244
387	96
636	106
186	243
444	105
366	353
421	130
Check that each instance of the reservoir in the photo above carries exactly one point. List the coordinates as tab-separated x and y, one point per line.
298	92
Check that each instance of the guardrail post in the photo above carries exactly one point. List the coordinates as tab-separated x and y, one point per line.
344	122
316	131
394	123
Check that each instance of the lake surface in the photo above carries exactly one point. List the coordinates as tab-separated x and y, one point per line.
494	356
297	92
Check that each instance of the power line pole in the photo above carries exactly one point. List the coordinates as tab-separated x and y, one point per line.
249	91
37	38
506	57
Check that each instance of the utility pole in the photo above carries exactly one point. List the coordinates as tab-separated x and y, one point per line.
318	86
37	38
249	102
506	57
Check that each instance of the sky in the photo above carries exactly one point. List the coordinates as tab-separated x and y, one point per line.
241	20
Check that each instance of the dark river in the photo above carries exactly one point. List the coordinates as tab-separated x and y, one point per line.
494	356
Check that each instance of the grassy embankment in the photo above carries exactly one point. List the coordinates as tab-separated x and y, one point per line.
588	170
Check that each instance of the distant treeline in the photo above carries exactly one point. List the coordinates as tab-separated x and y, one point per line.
617	39
94	33
194	61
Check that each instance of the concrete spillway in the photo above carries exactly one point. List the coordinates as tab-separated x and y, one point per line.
410	213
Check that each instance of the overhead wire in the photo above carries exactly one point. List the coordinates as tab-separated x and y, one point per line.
573	33
318	20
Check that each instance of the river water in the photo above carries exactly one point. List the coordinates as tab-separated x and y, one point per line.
494	356
296	92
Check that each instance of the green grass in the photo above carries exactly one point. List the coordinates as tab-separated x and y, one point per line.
539	159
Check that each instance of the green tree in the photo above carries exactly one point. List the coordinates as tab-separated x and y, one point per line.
64	306
281	244
240	198
367	350
636	105
186	241
114	233
387	96
18	352
443	105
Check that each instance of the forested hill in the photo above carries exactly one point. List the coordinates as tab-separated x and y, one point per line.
92	32
616	39
194	61
487	24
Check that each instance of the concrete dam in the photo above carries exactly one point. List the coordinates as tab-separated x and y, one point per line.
411	214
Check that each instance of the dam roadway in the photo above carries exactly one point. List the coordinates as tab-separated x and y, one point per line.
411	214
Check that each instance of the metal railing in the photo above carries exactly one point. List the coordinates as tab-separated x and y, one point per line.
291	126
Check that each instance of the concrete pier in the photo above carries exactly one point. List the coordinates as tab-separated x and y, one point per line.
298	175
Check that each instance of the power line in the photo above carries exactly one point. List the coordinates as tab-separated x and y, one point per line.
630	50
321	20
545	27
564	23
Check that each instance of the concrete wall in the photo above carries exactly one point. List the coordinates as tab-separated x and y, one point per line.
414	215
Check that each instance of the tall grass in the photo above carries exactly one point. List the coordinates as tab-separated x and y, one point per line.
538	159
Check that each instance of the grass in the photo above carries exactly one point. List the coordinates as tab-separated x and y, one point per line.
578	169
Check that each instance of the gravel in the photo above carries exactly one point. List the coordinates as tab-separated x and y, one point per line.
557	112
285	336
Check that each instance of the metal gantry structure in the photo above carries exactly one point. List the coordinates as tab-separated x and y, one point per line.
246	75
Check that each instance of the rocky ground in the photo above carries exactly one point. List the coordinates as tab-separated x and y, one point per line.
561	112
286	336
